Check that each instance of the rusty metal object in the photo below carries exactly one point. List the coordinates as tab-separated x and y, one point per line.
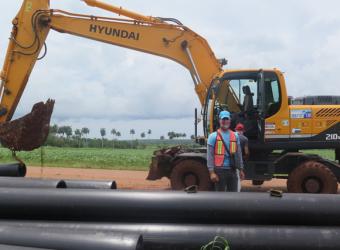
30	131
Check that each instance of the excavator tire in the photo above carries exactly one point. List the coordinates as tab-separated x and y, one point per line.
188	173
312	177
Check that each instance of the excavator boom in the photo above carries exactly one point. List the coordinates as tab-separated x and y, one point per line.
152	35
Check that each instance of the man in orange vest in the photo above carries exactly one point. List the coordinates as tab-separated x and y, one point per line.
224	156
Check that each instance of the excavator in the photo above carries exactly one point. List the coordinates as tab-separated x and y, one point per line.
277	130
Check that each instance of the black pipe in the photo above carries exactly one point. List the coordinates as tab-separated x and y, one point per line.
12	247
168	207
63	239
10	182
190	237
90	184
13	170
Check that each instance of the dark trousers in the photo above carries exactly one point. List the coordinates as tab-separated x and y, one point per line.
228	180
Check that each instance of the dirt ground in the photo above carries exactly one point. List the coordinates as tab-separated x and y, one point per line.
133	179
130	179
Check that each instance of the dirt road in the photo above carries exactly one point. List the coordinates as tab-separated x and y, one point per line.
130	179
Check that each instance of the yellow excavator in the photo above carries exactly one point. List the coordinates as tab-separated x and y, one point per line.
277	130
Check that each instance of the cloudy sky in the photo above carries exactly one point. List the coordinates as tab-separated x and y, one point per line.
98	85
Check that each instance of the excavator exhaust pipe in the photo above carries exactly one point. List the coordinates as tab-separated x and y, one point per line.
30	131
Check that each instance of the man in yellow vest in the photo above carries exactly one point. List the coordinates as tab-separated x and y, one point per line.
224	156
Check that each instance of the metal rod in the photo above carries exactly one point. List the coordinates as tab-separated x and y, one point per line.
90	184
176	207
185	47
190	237
121	11
64	239
13	170
20	182
196	123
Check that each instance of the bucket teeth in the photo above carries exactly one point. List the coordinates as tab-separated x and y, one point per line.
30	131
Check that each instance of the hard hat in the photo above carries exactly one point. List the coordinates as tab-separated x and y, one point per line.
224	115
239	127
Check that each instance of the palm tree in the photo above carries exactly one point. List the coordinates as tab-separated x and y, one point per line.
142	135
77	133
162	137
114	133
68	131
149	133
132	132
85	131
102	133
118	134
54	129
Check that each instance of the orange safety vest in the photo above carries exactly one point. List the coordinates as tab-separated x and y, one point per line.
220	148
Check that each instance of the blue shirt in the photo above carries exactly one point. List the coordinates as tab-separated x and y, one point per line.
226	137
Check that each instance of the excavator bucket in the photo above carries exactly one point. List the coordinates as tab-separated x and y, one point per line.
30	131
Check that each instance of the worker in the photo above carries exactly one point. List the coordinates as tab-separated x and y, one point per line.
243	141
224	156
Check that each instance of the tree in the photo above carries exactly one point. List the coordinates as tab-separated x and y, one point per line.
162	137
102	133
78	135
118	134
54	129
192	137
85	131
61	131
68	131
132	132
142	135
149	133
114	133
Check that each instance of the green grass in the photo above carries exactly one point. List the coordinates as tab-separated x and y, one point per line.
119	159
327	154
127	159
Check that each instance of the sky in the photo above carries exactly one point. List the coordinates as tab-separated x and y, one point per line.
97	85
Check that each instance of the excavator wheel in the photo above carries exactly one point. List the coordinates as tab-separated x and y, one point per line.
312	177
190	172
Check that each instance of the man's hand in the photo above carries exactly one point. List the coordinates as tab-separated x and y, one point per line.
242	175
213	177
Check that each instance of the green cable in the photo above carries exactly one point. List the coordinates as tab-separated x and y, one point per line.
219	243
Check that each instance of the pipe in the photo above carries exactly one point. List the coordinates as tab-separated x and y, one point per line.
12	247
64	239
190	237
13	170
170	207
10	182
90	184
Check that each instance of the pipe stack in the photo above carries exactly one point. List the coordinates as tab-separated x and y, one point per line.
169	220
13	169
20	182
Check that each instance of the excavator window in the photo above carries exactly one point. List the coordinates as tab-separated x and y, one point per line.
273	96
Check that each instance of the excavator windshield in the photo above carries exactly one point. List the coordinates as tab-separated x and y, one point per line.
245	87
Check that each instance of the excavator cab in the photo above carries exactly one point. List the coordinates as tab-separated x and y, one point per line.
258	97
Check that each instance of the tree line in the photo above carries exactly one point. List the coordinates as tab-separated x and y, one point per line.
65	136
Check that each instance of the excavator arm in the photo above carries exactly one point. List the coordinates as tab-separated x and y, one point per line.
151	35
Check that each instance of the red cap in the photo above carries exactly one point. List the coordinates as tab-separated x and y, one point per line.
239	127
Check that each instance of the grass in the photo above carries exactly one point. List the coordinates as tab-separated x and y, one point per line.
127	159
118	159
